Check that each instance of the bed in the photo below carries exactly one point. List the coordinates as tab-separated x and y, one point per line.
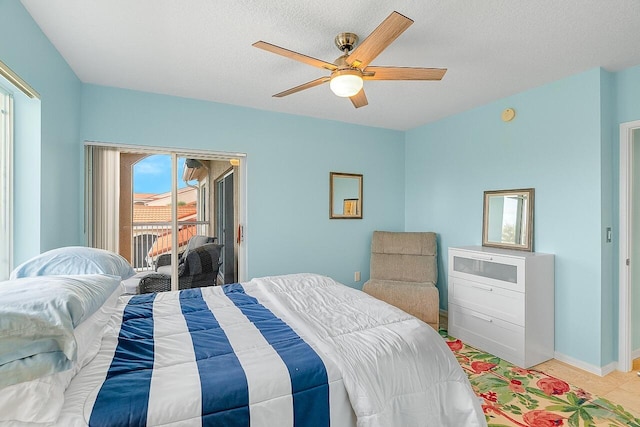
289	350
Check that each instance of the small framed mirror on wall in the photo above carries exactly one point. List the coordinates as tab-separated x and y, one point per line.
345	195
508	219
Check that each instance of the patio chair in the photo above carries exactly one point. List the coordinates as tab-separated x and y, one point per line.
163	263
199	268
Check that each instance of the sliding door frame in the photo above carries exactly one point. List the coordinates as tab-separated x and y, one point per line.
176	152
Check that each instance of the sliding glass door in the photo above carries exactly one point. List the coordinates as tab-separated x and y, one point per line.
148	206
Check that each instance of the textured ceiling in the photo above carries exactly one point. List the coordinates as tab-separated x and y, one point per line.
202	49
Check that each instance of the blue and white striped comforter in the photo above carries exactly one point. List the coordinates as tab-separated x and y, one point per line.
299	350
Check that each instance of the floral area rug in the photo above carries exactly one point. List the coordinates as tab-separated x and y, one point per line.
519	397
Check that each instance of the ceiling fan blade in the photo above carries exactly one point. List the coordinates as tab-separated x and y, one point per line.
378	40
312	83
294	55
359	99
404	73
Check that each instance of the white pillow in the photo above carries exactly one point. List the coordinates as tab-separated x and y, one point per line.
75	260
40	400
38	316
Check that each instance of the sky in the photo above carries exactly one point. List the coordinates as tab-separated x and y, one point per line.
153	174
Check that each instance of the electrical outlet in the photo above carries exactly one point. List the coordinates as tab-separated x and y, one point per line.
356	276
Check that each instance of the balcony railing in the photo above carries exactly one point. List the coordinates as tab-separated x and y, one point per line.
152	239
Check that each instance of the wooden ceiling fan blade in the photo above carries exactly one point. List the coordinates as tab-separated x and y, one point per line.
403	73
295	55
308	85
378	40
359	99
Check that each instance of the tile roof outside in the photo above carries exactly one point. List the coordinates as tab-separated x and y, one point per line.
143	213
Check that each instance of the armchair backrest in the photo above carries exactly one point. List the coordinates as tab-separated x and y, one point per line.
196	241
404	256
204	259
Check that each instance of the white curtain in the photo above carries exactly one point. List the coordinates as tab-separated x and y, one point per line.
6	184
103	197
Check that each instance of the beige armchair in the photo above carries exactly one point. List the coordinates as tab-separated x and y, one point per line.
404	273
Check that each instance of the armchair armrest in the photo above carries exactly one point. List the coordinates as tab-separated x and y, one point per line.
164	259
154	282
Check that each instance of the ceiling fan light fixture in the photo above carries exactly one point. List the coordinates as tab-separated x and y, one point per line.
346	83
349	70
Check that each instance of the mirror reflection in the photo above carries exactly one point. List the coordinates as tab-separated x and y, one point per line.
508	219
345	195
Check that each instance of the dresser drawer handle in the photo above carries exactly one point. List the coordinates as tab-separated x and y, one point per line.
482	288
482	257
481	317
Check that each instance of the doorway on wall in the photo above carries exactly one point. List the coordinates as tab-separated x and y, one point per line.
629	251
147	204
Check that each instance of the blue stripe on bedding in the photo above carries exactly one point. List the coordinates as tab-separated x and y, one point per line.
123	398
309	381
223	380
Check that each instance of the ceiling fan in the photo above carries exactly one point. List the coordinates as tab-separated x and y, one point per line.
350	69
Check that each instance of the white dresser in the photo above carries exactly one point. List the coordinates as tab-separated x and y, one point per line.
502	301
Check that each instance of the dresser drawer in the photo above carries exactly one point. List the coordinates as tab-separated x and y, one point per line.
500	338
490	300
497	270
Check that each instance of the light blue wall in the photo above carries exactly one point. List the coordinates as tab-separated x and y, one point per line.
627	94
288	163
554	146
48	162
608	292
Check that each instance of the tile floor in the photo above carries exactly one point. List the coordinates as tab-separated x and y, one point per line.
618	387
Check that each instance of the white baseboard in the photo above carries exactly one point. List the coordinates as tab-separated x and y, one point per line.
635	354
596	370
